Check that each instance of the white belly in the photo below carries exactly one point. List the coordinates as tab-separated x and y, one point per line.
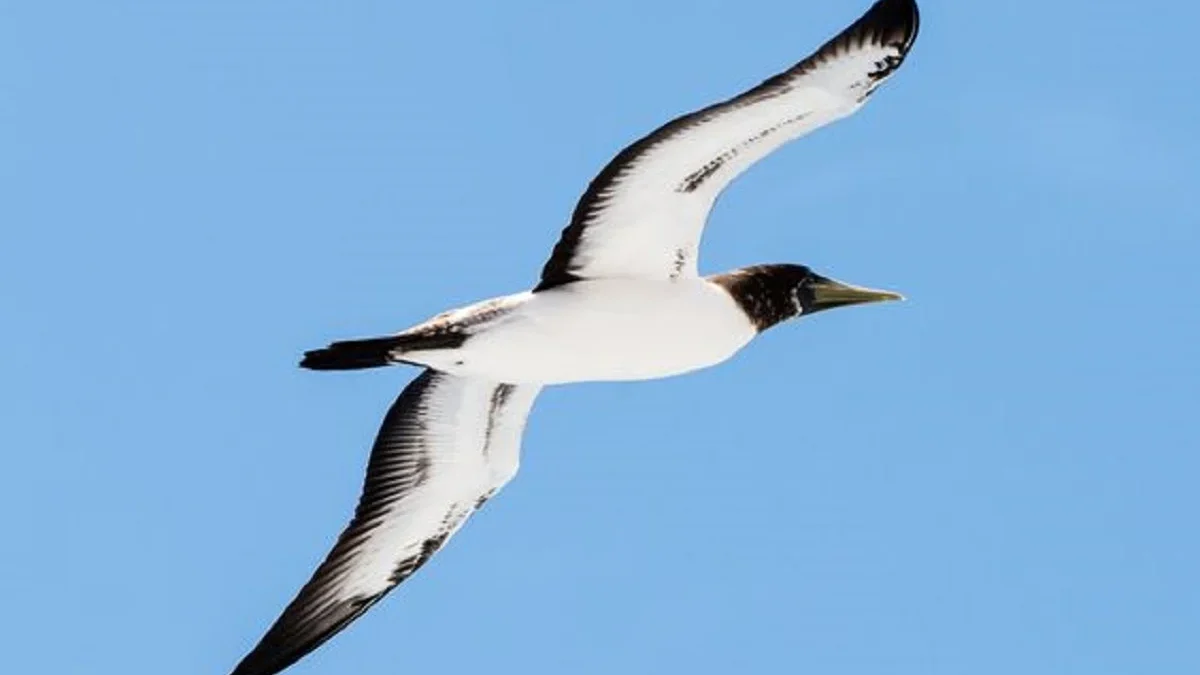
604	330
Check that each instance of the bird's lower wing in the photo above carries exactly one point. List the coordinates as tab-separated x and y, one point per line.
447	444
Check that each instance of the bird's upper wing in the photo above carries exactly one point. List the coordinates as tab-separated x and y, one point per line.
447	444
643	215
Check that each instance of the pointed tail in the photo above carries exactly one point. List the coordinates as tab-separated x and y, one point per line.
377	352
352	354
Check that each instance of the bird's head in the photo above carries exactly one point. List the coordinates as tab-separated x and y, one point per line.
774	293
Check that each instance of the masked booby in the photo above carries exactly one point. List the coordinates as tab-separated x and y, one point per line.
619	299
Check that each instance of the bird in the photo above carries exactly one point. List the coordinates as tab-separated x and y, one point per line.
620	299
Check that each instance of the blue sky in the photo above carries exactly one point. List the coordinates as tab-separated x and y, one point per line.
997	476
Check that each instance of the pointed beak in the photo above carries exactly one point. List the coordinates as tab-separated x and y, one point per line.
827	294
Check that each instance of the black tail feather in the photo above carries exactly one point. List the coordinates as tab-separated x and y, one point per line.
377	352
353	354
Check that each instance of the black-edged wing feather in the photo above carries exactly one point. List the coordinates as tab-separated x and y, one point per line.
644	214
446	445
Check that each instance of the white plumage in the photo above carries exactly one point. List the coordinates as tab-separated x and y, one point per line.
619	299
604	329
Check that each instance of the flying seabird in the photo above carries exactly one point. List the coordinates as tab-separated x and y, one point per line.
619	299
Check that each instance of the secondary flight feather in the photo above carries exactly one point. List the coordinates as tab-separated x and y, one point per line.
619	299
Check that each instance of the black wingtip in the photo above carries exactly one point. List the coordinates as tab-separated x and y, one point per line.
889	23
892	22
284	645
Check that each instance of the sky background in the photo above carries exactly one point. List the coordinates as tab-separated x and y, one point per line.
997	476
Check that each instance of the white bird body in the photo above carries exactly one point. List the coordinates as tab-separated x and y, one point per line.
597	330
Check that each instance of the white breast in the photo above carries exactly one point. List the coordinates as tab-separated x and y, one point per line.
612	329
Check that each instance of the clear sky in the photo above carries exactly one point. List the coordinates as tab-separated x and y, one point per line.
997	476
